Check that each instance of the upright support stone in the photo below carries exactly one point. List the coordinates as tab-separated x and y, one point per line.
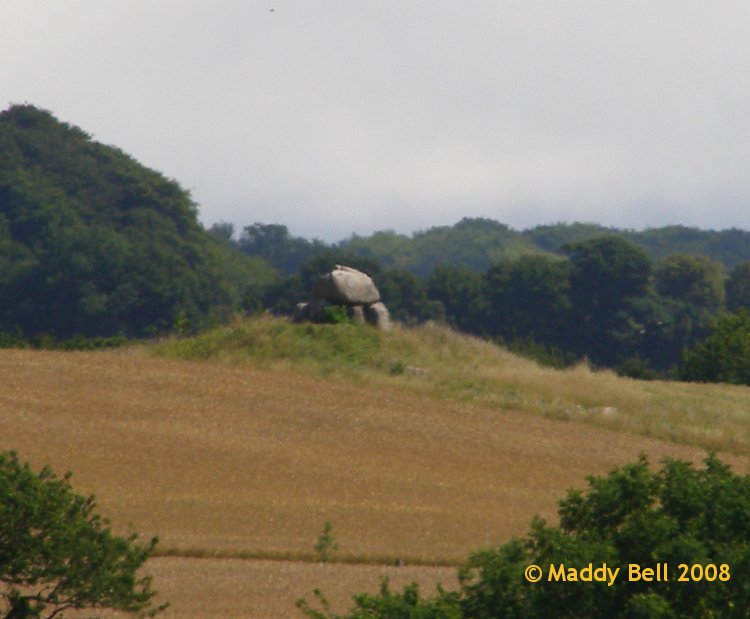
377	315
301	312
357	314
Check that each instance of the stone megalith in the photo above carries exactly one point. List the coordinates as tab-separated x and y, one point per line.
377	315
346	286
349	289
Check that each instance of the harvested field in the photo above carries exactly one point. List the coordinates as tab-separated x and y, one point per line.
236	460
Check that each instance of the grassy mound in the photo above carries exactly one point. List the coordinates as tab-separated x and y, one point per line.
436	361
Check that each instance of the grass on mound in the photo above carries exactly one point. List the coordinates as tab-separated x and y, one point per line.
437	361
271	342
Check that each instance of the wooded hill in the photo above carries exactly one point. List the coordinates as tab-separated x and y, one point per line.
93	243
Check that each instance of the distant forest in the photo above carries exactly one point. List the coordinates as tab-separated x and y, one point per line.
93	244
619	298
479	243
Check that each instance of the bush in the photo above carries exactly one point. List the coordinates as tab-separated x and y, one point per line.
326	544
638	368
57	554
724	357
335	315
680	515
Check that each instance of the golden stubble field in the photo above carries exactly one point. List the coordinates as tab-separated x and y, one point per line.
230	460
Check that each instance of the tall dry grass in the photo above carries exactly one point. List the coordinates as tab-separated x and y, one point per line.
435	361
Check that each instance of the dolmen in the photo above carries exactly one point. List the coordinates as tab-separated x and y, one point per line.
348	288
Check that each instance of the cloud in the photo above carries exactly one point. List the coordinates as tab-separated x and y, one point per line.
333	117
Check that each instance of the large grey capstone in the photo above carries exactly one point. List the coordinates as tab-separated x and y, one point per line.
346	286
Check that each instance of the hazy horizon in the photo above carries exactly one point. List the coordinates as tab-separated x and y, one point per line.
340	117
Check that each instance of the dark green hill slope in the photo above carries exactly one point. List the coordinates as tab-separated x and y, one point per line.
93	243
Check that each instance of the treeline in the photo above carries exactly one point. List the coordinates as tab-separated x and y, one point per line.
95	245
478	243
603	298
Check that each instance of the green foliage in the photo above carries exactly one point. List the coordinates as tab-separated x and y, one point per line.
49	342
738	287
728	247
607	275
326	544
477	243
678	515
696	280
724	357
529	298
397	368
57	554
461	292
335	315
635	367
91	242
605	272
409	604
473	243
325	261
243	280
406	297
553	238
275	245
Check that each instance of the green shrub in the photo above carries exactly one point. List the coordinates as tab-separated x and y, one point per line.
45	341
335	314
724	357
326	544
680	515
56	553
638	368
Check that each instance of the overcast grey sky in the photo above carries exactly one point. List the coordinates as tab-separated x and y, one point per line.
341	116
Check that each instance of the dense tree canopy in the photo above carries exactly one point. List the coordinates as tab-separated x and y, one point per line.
605	273
478	243
724	356
696	280
461	292
738	287
474	243
607	276
529	298
93	243
278	247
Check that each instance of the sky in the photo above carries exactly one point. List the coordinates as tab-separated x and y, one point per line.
336	117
